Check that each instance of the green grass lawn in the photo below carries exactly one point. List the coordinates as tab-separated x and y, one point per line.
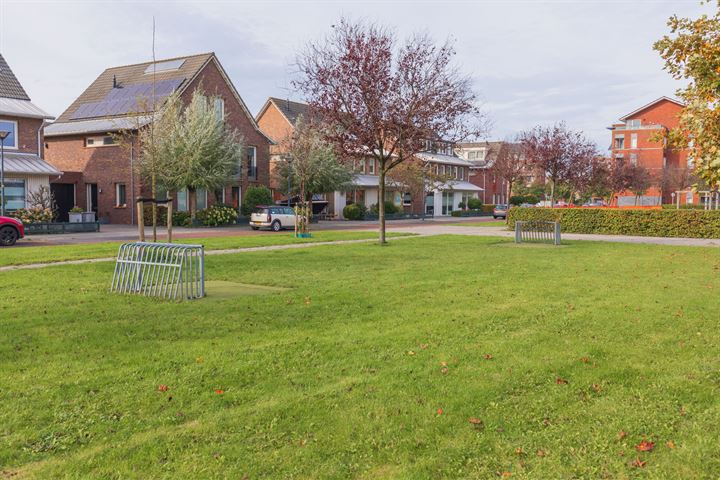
489	223
42	254
371	365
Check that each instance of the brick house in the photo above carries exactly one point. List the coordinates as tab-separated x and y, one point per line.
482	156
100	175
633	141
25	170
277	119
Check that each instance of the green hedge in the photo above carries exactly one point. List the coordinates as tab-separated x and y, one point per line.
650	223
685	206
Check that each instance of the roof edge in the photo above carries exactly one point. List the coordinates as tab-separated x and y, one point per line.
657	100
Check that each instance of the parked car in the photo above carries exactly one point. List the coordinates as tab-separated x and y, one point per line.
500	211
273	217
10	230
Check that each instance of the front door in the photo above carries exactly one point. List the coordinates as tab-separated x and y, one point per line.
64	195
236	198
91	198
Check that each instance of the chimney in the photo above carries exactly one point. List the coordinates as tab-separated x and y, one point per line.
114	82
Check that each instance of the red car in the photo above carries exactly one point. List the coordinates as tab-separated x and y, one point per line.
10	230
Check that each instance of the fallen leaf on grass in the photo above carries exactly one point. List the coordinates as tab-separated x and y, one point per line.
540	453
475	421
444	370
443	364
585	359
670	444
199	360
519	451
162	388
423	346
307	300
560	381
637	463
219	391
487	356
439	411
504	474
622	434
644	446
410	352
596	388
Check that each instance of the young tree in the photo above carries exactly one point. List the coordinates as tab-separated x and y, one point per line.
417	177
639	180
193	148
510	164
312	166
692	53
384	99
558	152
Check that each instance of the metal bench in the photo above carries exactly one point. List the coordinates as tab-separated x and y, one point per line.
164	270
537	231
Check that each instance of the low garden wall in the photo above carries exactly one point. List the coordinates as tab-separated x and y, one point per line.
61	227
649	223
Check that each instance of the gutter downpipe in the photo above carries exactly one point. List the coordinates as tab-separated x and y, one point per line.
132	179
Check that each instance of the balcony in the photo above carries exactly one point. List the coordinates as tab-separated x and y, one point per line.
621	128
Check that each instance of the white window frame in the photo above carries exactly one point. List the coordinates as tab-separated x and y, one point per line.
15	136
615	139
197	198
633	159
221	103
371	166
117	195
634	123
100	139
633	140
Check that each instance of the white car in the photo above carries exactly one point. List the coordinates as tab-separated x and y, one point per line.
273	217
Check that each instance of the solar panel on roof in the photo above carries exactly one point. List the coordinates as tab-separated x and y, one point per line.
128	99
164	66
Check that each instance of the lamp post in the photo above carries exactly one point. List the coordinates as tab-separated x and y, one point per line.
3	135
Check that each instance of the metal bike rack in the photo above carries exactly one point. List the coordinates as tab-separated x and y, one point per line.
537	231
163	270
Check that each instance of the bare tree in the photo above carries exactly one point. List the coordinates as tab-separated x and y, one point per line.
384	99
558	152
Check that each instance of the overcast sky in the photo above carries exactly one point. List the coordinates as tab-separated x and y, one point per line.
533	62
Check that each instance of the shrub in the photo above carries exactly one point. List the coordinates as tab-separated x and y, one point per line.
456	213
76	209
474	204
260	195
687	206
655	223
520	199
181	219
461	205
354	211
33	215
390	208
215	215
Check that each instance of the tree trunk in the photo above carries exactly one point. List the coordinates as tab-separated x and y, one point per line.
381	201
552	193
153	188
509	192
192	202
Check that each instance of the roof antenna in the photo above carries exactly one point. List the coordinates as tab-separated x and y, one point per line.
115	82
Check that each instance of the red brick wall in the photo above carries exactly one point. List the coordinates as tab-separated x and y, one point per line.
27	130
274	124
107	166
651	153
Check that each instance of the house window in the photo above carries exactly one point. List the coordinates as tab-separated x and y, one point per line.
104	141
632	124
220	195
201	198
620	142
14	193
455	173
462	173
633	158
251	160
633	140
182	200
11	139
371	166
120	195
447	201
219	108
407	199
361	165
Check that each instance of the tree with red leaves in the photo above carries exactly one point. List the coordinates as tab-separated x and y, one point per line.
386	99
559	152
510	164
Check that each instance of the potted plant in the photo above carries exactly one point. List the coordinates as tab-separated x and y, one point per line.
76	214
